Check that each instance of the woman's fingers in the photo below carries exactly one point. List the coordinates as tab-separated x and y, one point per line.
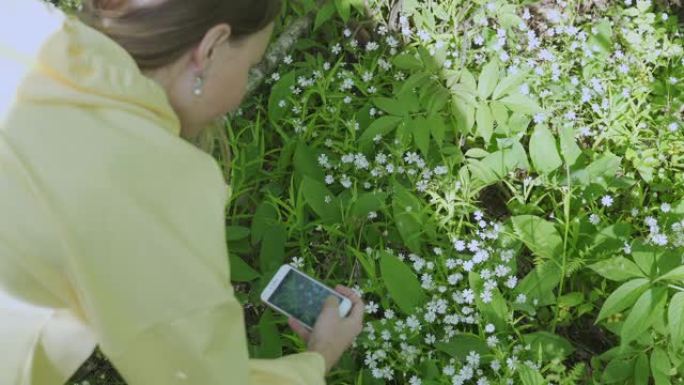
299	329
358	306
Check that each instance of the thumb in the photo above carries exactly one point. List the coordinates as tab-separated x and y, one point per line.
330	305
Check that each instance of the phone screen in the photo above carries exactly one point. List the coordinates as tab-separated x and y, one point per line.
300	296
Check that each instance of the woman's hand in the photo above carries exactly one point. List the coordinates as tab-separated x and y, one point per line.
332	334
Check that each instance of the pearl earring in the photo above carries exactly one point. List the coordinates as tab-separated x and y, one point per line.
199	84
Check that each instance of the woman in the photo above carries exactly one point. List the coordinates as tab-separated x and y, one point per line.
111	223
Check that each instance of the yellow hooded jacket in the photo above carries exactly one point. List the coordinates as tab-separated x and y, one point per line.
111	225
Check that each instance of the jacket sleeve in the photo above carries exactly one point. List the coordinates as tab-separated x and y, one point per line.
144	220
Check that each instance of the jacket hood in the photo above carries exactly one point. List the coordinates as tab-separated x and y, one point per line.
68	62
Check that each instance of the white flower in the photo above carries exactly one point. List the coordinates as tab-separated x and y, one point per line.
371	307
329	179
297	262
607	201
673	127
665	207
415	381
594	219
490	328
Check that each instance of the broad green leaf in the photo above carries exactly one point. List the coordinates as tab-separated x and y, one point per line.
660	367
421	134
623	297
407	62
530	376
489	77
675	320
280	91
539	283
325	13
551	345
644	312
272	253
604	167
402	284
509	84
367	202
617	269
236	233
539	235
240	271
485	122
543	151
407	211
306	162
645	257
569	148
343	9
391	106
437	128
494	311
462	344
265	216
498	164
673	275
619	369
381	126
323	202
517	102
468	81
464	115
642	371
270	344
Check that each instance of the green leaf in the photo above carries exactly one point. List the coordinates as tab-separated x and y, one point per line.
675	320
539	283
623	297
529	376
498	164
468	81
367	202
604	167
240	271
270	344
280	91
306	162
520	103
407	211
617	269
236	233
343	9
551	345
489	77
265	216
402	284
315	194
569	147
485	122
407	62
509	84
272	253
660	367
644	312
324	14
618	369
437	129
381	126
462	344
676	274
642	371
539	235
421	134
543	151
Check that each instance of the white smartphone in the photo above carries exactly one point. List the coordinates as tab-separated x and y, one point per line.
295	294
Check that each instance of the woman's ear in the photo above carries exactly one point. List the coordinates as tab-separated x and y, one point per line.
215	37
